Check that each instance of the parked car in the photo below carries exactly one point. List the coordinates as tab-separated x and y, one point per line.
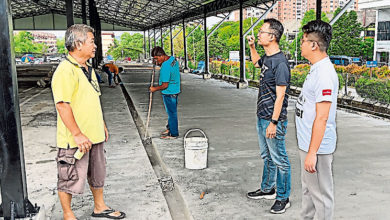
38	61
54	59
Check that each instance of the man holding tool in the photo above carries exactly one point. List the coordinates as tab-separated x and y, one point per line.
169	84
272	116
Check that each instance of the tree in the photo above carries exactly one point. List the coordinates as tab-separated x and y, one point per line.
309	16
178	43
367	48
61	46
128	46
23	43
346	35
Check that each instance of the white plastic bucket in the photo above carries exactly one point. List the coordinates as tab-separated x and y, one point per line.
195	151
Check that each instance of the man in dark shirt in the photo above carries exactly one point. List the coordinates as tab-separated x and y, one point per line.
272	116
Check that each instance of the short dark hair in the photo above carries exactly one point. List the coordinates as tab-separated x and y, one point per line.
158	51
120	69
276	26
321	30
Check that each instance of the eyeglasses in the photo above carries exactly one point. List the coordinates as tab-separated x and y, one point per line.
260	32
303	41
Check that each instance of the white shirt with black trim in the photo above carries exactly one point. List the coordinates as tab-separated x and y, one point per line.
321	84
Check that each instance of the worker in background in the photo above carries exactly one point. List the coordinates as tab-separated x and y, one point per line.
110	69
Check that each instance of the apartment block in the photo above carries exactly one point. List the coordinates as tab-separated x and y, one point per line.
107	41
49	39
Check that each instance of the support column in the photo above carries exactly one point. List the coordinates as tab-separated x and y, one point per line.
375	58
144	45
84	11
15	203
170	30
95	24
69	12
150	49
161	38
193	30
242	83
318	9
185	48
154	37
206	74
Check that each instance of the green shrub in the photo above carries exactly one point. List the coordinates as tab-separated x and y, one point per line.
341	81
375	89
297	78
191	65
224	69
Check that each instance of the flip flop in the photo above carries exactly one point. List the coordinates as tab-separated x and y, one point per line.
164	133
168	137
106	214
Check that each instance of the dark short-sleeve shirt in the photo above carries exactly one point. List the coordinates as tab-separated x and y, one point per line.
275	71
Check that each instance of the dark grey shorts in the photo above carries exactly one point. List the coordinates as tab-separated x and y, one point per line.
72	173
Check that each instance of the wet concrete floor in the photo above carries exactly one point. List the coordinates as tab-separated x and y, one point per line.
227	115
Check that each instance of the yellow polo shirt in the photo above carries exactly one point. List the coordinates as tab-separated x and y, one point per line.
71	85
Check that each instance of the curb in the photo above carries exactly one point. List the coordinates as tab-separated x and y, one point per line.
349	102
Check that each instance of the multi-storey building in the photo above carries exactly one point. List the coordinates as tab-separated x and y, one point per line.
295	9
382	28
107	41
330	5
235	16
48	39
286	10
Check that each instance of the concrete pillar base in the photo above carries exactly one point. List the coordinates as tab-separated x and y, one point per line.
186	70
242	85
207	76
41	215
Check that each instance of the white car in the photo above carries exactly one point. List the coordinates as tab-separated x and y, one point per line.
54	59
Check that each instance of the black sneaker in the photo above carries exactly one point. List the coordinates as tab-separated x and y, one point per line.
258	194
280	207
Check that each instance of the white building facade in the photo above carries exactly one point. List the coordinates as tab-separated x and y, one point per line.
382	28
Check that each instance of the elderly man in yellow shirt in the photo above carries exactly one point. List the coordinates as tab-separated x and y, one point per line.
80	125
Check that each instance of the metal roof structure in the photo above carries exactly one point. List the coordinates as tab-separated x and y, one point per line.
136	15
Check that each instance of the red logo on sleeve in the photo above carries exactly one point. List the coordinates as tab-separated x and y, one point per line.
326	92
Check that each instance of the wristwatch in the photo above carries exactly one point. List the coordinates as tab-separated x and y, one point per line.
275	122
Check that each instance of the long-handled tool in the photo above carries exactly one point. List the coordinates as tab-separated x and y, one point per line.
150	103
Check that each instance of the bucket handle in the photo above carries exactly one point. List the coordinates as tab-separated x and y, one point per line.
192	130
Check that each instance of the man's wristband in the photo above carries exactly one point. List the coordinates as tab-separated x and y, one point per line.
275	122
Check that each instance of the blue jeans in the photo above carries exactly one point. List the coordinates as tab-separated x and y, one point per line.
277	170
109	74
99	79
170	103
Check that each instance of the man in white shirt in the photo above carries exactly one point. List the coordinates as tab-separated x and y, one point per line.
316	123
